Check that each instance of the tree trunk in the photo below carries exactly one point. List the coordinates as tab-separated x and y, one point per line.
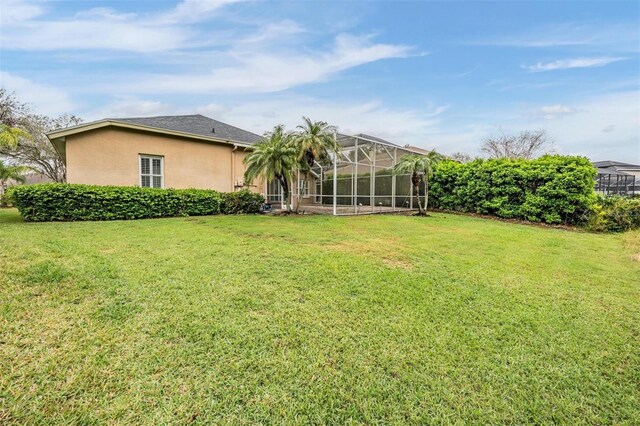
285	191
298	195
426	194
415	179
420	211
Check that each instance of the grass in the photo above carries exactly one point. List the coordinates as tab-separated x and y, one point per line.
317	319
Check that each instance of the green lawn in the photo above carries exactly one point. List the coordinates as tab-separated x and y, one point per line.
317	319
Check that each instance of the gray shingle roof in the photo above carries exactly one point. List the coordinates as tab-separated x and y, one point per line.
611	171
196	124
374	138
609	163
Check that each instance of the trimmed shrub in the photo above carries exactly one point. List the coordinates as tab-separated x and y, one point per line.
200	202
551	189
70	202
243	201
615	214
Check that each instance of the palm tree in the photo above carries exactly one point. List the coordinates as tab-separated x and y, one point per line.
419	166
9	136
275	157
8	172
314	141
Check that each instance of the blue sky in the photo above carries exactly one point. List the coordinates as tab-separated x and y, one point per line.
440	75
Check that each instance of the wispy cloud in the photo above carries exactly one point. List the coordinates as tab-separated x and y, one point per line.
369	116
255	57
372	116
557	110
259	71
44	99
188	11
103	28
562	64
617	37
19	11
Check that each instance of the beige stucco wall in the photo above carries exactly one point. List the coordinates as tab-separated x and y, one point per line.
110	156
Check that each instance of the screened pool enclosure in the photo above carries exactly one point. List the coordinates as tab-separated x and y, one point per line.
358	179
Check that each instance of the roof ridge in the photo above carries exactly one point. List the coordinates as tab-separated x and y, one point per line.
155	116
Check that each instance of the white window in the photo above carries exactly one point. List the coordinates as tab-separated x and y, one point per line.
151	171
303	187
274	191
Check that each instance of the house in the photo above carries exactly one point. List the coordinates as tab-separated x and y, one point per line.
194	151
185	151
619	178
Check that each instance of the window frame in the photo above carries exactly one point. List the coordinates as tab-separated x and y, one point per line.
151	175
304	188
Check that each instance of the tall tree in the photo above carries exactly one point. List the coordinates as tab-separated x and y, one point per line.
12	113
274	158
23	138
461	157
314	141
527	145
421	168
11	136
37	152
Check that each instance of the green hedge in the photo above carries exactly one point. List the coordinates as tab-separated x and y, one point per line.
551	189
70	202
241	202
615	214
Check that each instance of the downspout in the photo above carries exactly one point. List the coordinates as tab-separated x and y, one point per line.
233	167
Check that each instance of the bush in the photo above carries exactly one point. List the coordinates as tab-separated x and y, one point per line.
241	202
615	214
70	202
6	200
551	189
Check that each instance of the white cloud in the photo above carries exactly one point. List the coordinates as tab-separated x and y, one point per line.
255	57
192	11
600	127
128	106
400	126
574	63
553	111
616	37
581	133
18	11
44	99
273	31
257	71
104	28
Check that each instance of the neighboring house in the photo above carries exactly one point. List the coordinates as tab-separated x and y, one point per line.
619	178
187	151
